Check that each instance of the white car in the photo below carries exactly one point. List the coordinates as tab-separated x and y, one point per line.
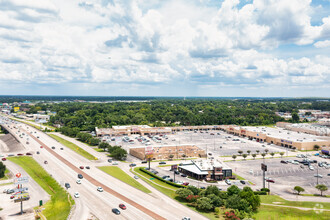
100	189
318	175
114	163
136	177
76	195
311	167
78	181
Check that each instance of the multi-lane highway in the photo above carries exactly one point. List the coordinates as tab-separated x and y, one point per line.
64	164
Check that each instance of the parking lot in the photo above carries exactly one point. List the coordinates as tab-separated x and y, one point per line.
286	175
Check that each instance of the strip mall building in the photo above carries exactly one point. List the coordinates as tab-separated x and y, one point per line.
278	136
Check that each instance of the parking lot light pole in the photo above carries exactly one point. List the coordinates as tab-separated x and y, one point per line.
317	177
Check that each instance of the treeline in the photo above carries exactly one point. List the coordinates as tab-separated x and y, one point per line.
84	137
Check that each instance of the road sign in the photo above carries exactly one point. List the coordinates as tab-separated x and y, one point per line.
21	189
18	175
21	199
21	180
21	195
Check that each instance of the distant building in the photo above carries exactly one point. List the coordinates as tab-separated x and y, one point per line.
38	117
203	169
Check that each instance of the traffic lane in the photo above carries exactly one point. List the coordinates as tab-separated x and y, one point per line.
35	191
97	183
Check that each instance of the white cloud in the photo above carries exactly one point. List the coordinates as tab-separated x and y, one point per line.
162	42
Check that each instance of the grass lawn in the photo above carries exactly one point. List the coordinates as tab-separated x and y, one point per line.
170	192
238	177
98	150
73	147
317	195
270	199
6	175
58	207
121	175
278	213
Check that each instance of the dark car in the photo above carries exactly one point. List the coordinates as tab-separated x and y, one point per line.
283	161
183	175
164	177
144	161
270	181
242	181
203	187
109	160
61	148
19	154
122	206
116	211
67	185
154	171
28	154
176	172
53	147
3	159
87	167
162	162
45	162
81	167
38	152
80	176
132	165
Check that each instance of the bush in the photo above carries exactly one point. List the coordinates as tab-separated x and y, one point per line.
183	193
161	179
260	193
2	170
264	190
204	203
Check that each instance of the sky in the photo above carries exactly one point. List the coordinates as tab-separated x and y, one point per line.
221	48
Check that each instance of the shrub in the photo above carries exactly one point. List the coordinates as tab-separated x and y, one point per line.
161	179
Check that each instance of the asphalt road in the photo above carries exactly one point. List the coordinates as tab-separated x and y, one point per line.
98	203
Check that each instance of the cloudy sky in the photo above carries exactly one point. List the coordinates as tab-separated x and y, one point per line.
165	47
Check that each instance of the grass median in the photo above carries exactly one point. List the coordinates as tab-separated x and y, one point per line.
59	206
122	176
73	147
276	200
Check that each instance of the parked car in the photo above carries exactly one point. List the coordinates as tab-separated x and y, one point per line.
45	162
78	181
67	185
162	162
76	195
164	177
136	177
87	167
3	159
183	175
122	206
144	161
80	176
242	181
185	183
61	148
116	211
318	175
81	167
19	154
228	181
132	165
283	161
115	163
176	172
41	147
38	152
28	154
109	160
270	181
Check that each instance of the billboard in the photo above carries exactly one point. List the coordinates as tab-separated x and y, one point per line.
263	167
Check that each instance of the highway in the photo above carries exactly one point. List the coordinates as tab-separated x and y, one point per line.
139	205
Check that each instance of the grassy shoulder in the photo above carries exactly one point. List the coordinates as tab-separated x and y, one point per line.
276	200
317	195
73	147
122	176
6	175
169	191
279	213
59	206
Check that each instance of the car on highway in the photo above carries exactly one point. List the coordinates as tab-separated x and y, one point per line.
242	181
80	176
19	154
144	161
122	206
100	189
183	175
109	160
136	177
61	148
87	167
53	147
270	181
114	163
116	211
203	187
3	159
28	154
38	152
186	218
11	197
76	195
45	162
67	185
81	167
132	165
41	147
78	181
162	162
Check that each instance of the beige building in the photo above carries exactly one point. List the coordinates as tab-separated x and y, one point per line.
278	136
164	152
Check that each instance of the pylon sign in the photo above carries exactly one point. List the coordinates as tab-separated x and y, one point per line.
18	175
21	180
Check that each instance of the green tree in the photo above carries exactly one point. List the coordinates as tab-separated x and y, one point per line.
298	189
204	203
215	200
240	152
194	189
254	156
281	153
184	156
257	151
236	202
212	190
322	188
266	151
263	155
244	156
272	154
2	170
234	156
232	190
295	117
119	154
104	145
248	151
183	193
250	197
171	156
316	147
